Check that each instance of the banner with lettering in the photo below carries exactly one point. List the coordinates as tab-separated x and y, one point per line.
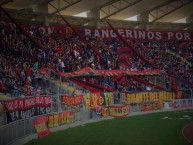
58	119
138	34
21	108
146	97
106	33
97	99
183	103
72	102
146	106
41	128
119	111
92	72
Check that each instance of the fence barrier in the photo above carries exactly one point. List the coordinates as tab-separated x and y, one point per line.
19	129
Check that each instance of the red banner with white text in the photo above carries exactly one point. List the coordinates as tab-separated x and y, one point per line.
109	33
21	108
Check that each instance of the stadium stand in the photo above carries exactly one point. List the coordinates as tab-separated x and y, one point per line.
64	52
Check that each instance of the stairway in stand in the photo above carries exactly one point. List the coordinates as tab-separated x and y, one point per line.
64	87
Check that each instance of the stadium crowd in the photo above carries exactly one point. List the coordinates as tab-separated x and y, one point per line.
20	58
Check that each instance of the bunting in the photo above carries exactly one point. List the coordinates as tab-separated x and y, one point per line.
125	63
92	72
121	79
124	52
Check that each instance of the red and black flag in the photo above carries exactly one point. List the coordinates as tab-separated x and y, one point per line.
124	52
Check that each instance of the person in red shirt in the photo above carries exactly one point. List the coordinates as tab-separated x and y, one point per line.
28	71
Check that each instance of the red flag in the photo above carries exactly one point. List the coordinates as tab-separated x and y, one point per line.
40	124
174	87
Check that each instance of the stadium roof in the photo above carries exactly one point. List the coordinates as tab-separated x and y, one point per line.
156	12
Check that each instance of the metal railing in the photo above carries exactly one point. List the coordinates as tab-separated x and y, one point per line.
11	132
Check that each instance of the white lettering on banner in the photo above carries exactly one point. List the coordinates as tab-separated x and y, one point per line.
27	113
21	104
121	32
139	34
42	110
186	36
112	34
39	100
49	30
158	34
29	102
179	36
47	100
150	35
87	32
128	33
170	34
15	106
9	106
97	34
105	33
135	34
109	33
13	117
48	109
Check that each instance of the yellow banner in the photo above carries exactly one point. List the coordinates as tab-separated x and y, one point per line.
98	99
58	119
146	97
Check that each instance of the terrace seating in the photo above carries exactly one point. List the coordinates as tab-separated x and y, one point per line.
65	52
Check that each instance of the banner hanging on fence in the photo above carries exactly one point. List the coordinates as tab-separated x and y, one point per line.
99	99
146	106
21	108
119	111
168	104
72	102
58	119
146	97
183	103
41	128
157	105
